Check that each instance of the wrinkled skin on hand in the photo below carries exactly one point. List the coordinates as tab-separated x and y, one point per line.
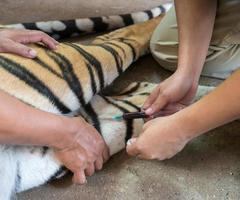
161	139
83	151
172	95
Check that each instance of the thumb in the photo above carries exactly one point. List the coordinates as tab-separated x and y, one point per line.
79	177
20	49
132	147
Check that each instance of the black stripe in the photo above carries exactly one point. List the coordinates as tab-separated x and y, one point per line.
144	94
18	178
93	82
115	54
127	19
56	175
30	26
149	13
44	150
99	24
91	60
94	117
69	30
23	74
117	46
130	104
131	90
134	54
69	75
46	66
129	123
163	10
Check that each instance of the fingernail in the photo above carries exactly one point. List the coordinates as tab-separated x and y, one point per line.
32	53
131	141
149	111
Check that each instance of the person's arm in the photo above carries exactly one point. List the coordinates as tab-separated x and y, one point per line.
195	21
163	137
218	108
23	125
77	144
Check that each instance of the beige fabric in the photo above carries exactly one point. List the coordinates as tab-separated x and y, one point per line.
224	52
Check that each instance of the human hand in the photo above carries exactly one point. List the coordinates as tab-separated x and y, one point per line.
161	139
83	151
171	95
13	41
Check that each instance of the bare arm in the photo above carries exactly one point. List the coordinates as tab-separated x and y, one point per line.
76	143
218	108
163	137
23	125
195	20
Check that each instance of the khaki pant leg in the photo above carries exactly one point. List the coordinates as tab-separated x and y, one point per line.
221	60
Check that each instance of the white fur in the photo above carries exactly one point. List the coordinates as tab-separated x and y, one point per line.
114	21
85	24
45	26
8	168
139	17
58	26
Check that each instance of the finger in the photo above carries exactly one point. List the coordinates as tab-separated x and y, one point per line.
106	154
170	109
175	107
19	49
37	36
90	170
132	147
152	97
79	177
157	105
145	157
99	163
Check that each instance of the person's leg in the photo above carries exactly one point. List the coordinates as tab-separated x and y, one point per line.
221	60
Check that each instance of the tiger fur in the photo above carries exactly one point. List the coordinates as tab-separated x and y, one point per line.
61	82
61	29
67	80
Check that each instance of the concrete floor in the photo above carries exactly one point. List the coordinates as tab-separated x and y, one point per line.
207	169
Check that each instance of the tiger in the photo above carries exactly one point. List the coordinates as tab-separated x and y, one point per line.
62	29
68	81
64	81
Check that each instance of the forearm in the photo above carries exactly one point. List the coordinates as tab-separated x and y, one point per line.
21	124
217	108
195	20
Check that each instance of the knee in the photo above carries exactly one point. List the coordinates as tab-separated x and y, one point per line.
165	54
